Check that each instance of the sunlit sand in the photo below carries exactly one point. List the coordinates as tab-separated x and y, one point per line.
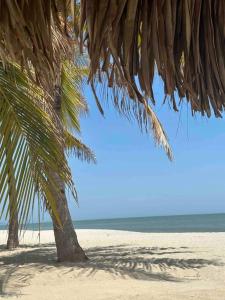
122	265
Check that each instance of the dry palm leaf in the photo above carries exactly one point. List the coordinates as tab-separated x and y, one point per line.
26	34
128	39
183	40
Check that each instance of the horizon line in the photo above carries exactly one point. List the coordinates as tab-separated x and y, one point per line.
132	217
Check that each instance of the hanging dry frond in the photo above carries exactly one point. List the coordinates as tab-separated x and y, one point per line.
183	40
26	34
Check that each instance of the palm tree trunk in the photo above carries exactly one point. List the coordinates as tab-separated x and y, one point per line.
68	248
13	239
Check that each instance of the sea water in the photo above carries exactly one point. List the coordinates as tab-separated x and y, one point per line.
181	223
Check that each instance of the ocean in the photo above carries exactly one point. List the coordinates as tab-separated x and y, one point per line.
180	223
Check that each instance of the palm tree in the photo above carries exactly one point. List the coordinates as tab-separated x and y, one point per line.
30	146
43	65
68	103
72	105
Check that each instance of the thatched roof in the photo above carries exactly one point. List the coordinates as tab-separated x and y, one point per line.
182	40
129	40
26	34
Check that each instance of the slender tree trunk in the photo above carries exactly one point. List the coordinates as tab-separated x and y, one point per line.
13	239
68	248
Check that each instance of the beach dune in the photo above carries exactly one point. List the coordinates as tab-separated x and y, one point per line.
121	265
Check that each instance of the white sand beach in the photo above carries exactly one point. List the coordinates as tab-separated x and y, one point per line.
122	265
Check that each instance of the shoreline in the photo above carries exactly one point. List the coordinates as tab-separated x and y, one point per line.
31	237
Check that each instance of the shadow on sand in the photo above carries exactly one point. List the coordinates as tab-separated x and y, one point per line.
141	263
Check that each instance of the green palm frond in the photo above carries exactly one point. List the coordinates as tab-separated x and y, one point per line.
73	102
73	105
28	135
76	147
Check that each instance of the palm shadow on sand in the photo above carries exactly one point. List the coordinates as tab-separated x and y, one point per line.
141	263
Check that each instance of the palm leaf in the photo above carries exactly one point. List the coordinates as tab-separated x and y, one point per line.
73	103
183	39
159	133
76	147
130	40
31	22
28	135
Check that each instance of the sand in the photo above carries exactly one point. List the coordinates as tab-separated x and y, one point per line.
122	265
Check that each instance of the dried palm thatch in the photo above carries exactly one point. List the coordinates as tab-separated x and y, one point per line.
129	40
184	40
26	34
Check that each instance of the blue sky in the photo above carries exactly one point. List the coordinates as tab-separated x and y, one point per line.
133	177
